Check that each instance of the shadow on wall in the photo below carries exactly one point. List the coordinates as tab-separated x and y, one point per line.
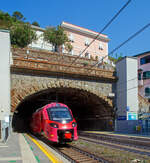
20	124
95	125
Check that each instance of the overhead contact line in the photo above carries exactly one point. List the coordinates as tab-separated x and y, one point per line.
123	43
114	17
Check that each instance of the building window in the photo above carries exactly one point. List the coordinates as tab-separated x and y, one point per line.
101	47
71	37
147	91
63	48
87	55
145	60
87	41
139	76
71	52
146	75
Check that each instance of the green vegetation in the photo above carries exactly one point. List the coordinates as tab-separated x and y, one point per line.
116	58
36	24
6	20
68	46
57	37
18	16
21	33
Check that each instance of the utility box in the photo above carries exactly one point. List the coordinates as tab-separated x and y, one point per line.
127	95
4	84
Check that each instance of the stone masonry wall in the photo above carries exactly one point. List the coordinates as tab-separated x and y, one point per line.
24	85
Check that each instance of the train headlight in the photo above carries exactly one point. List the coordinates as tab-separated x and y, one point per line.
63	122
54	125
74	124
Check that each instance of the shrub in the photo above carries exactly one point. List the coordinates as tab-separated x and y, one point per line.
22	35
56	36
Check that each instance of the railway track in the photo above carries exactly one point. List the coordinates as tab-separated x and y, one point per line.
130	144
78	155
72	153
120	139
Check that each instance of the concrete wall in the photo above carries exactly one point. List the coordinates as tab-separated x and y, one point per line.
127	86
4	73
125	126
121	88
127	95
4	84
40	43
132	84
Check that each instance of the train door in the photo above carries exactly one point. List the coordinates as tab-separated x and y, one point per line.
42	122
36	126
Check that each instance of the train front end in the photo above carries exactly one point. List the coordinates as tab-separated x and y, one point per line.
62	126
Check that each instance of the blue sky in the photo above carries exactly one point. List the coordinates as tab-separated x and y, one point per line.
92	15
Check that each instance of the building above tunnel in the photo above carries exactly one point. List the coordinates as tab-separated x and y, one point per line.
80	38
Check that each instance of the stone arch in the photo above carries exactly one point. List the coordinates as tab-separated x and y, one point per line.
17	95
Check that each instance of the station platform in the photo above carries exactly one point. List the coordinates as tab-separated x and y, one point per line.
16	149
139	135
20	148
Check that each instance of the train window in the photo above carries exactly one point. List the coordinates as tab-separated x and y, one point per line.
59	114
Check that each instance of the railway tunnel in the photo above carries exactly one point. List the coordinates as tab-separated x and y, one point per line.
90	111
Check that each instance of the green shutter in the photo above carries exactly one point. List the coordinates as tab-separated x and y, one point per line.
146	75
147	91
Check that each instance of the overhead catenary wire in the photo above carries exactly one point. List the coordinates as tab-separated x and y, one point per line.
124	6
119	46
123	43
122	90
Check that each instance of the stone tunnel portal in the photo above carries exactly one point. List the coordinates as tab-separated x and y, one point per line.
90	111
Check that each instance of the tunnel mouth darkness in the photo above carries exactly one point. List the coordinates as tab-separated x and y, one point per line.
90	111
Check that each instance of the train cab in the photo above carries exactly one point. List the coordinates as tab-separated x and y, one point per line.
57	123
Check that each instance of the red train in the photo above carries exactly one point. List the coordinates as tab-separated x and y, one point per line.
56	122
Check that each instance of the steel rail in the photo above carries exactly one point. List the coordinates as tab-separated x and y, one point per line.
72	153
142	150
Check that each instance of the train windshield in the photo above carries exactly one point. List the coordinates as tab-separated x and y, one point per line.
59	114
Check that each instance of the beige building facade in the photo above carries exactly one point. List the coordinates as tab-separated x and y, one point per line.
81	38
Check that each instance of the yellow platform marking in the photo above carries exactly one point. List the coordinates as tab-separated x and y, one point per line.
49	154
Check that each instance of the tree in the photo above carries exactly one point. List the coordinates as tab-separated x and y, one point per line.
56	36
5	20
18	16
36	24
22	35
116	58
68	47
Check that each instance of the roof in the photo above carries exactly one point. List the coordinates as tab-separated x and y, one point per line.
4	30
126	57
141	54
37	28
